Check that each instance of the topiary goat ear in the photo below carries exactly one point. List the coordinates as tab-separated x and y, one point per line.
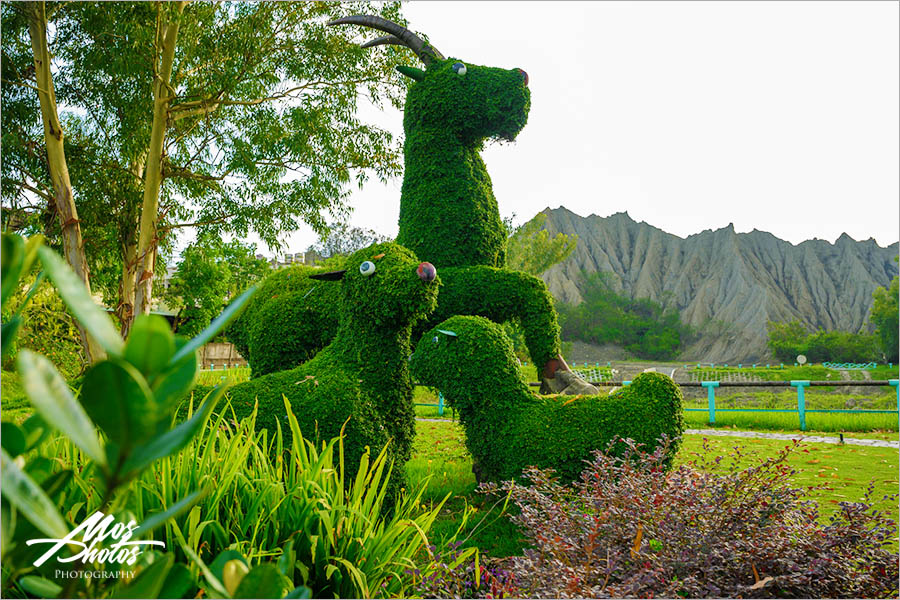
411	72
330	276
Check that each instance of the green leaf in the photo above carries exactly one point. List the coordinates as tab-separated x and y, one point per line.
12	438
150	345
12	261
155	520
263	581
217	568
8	333
53	400
76	297
40	587
117	398
302	592
175	439
178	584
30	499
233	310
36	430
150	580
56	483
173	385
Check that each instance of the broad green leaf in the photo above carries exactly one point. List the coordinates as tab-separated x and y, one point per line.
178	584
76	297
175	439
150	345
117	398
53	400
31	249
263	581
30	499
12	261
36	430
12	438
154	521
173	385
40	587
233	310
302	593
211	579
8	333
233	573
217	568
150	580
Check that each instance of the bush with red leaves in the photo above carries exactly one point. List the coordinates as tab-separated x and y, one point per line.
629	528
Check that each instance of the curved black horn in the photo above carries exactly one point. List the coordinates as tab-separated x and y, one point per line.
381	41
425	51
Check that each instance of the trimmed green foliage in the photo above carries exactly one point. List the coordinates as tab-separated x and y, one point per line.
886	318
448	212
502	295
290	319
508	427
363	374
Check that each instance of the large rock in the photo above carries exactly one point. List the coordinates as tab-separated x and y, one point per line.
728	285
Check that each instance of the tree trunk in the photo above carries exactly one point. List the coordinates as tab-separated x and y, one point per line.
70	226
128	223
166	39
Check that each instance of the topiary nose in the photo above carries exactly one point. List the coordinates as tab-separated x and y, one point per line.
426	272
524	76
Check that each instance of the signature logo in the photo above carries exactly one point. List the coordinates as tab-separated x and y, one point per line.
102	540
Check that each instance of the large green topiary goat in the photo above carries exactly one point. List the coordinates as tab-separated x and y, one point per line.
448	213
363	373
508	427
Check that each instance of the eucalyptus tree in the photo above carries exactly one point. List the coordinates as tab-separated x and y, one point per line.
229	117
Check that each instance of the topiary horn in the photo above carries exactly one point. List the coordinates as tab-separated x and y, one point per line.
399	35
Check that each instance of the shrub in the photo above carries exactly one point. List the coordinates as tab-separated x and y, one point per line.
628	528
363	373
642	326
508	427
273	333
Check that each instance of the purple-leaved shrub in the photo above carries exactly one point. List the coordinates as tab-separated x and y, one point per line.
629	528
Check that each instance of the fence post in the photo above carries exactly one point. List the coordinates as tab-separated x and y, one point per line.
801	402
711	395
896	384
440	404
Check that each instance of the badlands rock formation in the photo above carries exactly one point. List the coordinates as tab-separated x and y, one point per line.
727	285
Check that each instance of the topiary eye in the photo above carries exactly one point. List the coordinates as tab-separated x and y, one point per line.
435	339
459	68
367	268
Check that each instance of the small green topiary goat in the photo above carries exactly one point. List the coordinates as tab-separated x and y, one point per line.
363	373
448	212
508	427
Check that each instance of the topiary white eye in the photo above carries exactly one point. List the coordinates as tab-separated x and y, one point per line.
367	268
434	339
459	68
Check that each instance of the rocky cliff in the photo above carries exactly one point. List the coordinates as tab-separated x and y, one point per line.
727	285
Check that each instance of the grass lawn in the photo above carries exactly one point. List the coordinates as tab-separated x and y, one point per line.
842	473
15	405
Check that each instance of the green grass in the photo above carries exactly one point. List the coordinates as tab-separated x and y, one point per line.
235	374
775	373
15	405
440	454
782	421
841	473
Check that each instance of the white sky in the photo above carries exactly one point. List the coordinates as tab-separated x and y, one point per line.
778	116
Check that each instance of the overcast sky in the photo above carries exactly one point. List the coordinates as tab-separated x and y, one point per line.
778	116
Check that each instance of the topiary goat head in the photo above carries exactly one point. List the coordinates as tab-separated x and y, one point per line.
385	287
473	102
